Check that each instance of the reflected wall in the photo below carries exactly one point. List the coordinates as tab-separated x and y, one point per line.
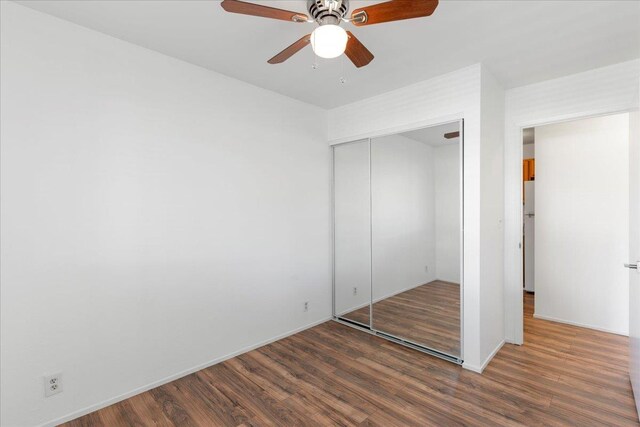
398	210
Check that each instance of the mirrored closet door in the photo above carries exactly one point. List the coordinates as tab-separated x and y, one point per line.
398	240
352	232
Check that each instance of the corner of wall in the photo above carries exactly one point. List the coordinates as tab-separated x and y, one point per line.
480	368
492	108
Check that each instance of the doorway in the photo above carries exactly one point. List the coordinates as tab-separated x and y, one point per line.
575	222
528	203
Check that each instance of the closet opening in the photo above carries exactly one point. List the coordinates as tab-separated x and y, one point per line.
398	237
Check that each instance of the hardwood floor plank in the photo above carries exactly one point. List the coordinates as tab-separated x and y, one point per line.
195	404
170	407
428	314
226	410
334	375
149	410
317	399
254	398
93	419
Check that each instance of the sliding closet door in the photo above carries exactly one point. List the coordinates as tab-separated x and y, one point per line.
415	222
352	232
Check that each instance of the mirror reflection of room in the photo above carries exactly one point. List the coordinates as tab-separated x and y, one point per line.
415	191
352	232
415	235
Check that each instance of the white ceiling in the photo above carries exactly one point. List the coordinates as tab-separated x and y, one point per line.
434	135
521	42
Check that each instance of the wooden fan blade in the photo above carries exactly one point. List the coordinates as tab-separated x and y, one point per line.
291	50
452	135
237	6
357	52
394	10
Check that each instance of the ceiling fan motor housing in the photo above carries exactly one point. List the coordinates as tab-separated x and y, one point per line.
328	11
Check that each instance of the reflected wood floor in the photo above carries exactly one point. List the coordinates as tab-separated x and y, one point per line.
428	314
335	375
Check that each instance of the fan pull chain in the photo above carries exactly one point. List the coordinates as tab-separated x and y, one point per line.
343	77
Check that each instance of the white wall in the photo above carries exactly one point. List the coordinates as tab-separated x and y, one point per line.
156	216
352	227
447	205
529	151
491	217
603	90
403	215
582	222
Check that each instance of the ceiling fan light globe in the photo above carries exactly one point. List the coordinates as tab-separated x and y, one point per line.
329	41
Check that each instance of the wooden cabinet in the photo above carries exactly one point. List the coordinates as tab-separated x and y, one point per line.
529	169
528	172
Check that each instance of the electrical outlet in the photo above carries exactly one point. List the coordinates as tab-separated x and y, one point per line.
355	290
52	384
306	306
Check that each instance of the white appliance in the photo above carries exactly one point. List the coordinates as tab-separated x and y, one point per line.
529	235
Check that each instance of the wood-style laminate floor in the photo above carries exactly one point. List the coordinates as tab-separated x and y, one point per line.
428	314
335	375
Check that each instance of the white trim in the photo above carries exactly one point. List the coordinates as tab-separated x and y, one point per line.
471	368
136	391
598	112
578	324
443	120
480	369
461	226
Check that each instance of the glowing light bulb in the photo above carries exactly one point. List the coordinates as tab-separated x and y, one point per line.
329	41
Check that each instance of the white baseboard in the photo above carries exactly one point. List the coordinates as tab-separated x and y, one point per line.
124	396
472	368
480	368
581	325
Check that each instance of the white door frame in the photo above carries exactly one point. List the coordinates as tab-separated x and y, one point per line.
514	316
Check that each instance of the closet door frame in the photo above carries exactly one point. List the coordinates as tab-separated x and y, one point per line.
452	358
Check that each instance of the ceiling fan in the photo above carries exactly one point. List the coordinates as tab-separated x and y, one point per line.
329	39
451	135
